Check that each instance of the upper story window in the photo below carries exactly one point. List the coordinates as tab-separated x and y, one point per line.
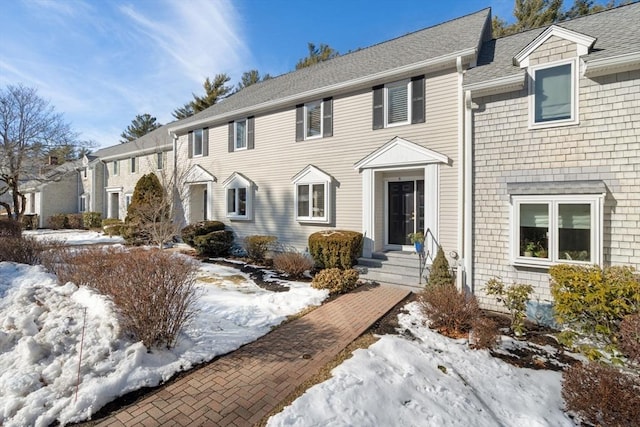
314	119
115	167
133	165
240	142
553	95
312	195
550	229
159	161
399	103
198	144
241	134
239	197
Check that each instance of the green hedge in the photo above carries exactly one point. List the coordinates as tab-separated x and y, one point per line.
592	301
215	244
92	219
335	280
191	231
335	248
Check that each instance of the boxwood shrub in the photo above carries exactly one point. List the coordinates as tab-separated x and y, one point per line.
335	248
215	244
191	231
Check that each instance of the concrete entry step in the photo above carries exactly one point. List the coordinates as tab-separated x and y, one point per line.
398	268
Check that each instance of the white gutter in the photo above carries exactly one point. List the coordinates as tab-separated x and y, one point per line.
138	152
349	84
614	64
499	85
468	193
461	163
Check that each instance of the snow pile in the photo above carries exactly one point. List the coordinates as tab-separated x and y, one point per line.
432	381
74	237
41	327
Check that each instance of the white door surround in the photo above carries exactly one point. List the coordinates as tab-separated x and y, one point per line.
408	159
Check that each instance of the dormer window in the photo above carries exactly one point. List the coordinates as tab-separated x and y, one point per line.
312	195
239	195
553	94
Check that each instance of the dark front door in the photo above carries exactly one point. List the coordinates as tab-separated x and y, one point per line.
401	212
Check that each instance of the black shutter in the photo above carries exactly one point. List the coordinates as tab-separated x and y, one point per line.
251	133
327	120
378	107
232	144
417	99
300	122
190	144
205	142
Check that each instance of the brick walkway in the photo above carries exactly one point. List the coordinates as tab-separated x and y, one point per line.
241	388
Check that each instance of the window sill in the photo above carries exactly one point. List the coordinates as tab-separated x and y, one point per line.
238	217
544	264
303	220
393	125
553	124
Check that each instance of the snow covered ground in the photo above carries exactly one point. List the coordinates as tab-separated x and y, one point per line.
74	237
429	381
41	335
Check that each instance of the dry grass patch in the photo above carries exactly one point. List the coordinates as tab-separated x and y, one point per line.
364	341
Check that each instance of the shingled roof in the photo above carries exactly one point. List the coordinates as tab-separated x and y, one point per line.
617	32
442	40
156	140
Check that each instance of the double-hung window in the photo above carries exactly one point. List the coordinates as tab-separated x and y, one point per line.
399	103
240	135
133	165
551	229
83	203
239	197
553	90
312	195
115	167
198	143
314	119
127	200
159	160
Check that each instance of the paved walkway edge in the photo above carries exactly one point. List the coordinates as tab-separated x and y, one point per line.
242	387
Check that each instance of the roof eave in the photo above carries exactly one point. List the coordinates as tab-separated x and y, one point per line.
467	55
500	85
612	65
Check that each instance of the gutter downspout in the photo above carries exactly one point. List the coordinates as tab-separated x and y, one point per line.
468	194
460	280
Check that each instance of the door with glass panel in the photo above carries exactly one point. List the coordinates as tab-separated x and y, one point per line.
405	211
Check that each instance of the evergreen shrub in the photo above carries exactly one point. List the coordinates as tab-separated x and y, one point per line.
591	301
335	280
215	244
440	273
191	231
514	298
112	226
58	222
92	219
336	248
30	221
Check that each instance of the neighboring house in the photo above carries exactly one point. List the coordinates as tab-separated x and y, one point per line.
114	171
58	190
555	116
368	141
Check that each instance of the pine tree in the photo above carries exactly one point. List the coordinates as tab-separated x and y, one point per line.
251	77
316	55
183	112
140	126
215	91
440	273
536	13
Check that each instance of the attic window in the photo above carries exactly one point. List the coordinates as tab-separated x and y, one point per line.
553	95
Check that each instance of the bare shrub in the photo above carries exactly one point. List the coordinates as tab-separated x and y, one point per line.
602	395
294	264
449	311
629	336
484	333
257	246
154	291
10	228
335	280
24	250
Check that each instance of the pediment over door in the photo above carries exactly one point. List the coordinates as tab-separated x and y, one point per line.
197	174
400	152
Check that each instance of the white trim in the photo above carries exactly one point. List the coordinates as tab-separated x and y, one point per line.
596	201
400	152
404	178
583	42
421	66
398	83
319	102
310	176
193	148
238	181
139	152
368	212
498	85
611	65
575	114
198	175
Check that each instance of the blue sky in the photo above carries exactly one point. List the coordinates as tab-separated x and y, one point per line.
101	62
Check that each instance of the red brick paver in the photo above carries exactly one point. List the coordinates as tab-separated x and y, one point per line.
242	387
